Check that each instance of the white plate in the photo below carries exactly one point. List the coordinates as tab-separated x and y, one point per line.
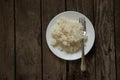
90	33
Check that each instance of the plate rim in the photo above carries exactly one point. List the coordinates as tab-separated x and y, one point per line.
58	16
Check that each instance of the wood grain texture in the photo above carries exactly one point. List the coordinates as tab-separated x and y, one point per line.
6	40
105	50
28	40
53	67
117	37
74	72
24	54
85	7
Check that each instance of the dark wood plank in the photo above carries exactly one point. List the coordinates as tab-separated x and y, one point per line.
117	36
28	40
53	67
105	50
85	7
6	40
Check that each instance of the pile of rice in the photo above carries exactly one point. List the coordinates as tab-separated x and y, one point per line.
67	35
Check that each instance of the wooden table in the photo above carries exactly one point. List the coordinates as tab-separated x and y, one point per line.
24	54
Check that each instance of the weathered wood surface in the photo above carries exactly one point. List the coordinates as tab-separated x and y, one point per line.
6	40
28	39
85	7
104	46
24	54
53	67
117	36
